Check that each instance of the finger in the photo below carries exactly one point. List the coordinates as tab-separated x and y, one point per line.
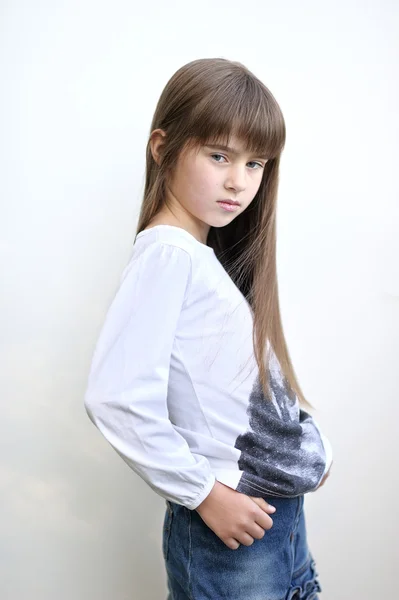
232	543
261	502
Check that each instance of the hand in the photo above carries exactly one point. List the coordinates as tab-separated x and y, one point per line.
234	517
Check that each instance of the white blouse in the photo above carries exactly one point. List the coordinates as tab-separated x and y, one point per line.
174	386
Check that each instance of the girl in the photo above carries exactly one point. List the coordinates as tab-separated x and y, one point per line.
191	380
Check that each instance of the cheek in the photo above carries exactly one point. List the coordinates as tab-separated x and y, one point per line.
257	181
202	179
253	189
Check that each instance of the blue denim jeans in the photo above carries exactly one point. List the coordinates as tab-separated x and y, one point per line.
200	566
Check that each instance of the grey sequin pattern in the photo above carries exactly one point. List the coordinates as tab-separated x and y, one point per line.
282	453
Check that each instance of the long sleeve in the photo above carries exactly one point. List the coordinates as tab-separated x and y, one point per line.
126	395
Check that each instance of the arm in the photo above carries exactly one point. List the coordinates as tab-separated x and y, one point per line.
128	380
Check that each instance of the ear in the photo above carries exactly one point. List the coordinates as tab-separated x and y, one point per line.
157	140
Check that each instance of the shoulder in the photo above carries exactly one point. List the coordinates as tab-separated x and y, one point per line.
163	240
159	259
161	250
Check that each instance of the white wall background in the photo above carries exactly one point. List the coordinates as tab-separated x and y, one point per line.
79	83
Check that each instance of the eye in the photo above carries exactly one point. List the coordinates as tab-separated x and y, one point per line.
256	163
213	155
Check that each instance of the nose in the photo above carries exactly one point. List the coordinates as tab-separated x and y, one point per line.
236	178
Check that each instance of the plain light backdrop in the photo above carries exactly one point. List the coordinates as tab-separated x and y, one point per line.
79	84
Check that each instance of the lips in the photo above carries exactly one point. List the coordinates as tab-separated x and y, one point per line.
229	205
228	201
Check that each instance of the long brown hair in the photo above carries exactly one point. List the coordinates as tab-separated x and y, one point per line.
212	99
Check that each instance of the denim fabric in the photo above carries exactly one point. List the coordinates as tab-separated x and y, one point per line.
200	566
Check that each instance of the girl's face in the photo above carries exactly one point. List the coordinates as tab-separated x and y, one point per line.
204	178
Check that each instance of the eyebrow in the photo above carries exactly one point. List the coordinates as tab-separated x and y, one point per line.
228	149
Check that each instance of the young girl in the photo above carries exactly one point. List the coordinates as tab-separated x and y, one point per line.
191	380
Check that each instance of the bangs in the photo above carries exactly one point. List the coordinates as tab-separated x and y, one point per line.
245	108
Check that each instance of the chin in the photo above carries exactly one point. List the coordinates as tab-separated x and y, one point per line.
224	221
